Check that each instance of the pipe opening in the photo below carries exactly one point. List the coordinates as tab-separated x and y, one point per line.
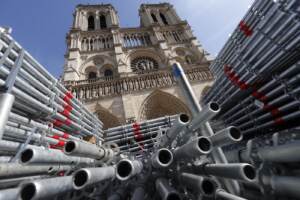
28	191
26	155
164	156
204	144
124	169
173	196
80	178
214	106
184	118
249	171
70	146
235	133
50	169
208	187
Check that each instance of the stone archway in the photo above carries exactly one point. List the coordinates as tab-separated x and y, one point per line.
109	120
159	104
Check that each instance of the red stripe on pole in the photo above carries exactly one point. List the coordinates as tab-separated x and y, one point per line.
58	123
68	122
66	135
279	121
245	29
68	96
235	79
55	136
62	173
137	134
60	143
67	110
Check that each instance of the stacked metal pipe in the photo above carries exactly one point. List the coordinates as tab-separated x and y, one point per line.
257	71
139	136
42	129
43	154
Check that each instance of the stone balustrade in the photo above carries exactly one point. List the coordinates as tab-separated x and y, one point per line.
103	87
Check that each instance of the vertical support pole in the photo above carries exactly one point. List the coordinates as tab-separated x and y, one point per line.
6	98
206	130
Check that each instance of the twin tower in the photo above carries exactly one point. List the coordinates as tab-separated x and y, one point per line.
124	74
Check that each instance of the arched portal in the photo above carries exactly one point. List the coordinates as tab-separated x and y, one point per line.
159	104
109	120
108	73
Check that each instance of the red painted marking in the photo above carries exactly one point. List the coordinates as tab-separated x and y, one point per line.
278	121
67	110
235	79
62	173
66	135
245	29
243	85
68	96
60	143
68	122
55	136
137	134
57	123
275	112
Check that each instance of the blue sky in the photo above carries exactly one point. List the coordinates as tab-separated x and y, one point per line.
41	25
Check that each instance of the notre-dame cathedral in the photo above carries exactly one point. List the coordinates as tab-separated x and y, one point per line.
124	74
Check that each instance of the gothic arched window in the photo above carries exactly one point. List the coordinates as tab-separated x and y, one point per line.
103	22
91	23
163	18
108	72
153	17
144	64
92	75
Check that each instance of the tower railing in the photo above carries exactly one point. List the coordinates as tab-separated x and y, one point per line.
96	88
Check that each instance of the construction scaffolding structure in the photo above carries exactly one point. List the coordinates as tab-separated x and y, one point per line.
242	143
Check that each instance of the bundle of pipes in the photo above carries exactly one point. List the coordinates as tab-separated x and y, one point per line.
184	157
29	90
41	129
257	71
139	135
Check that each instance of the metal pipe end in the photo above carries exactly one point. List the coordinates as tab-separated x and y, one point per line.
184	118
173	196
235	134
214	107
26	156
249	172
204	145
208	187
51	170
124	170
69	147
80	179
165	157
28	191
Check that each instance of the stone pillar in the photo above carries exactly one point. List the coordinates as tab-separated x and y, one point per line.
71	71
97	21
113	17
76	24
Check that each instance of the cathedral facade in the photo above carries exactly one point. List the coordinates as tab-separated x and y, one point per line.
124	74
